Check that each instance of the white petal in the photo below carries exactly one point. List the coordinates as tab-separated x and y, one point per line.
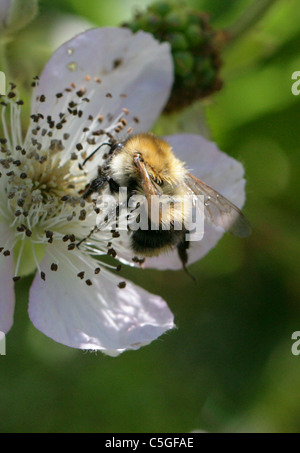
7	295
132	64
218	170
99	317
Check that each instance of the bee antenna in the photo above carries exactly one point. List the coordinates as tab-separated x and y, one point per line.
94	152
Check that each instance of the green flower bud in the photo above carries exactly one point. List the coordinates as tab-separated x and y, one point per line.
178	41
175	21
194	35
195	48
15	14
160	8
183	63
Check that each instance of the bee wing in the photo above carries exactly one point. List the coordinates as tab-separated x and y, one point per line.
220	211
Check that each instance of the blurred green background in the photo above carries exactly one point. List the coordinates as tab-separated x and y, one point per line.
228	367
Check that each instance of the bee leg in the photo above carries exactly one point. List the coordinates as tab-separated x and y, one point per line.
95	186
183	256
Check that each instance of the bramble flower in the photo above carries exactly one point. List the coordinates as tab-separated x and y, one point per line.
86	92
100	86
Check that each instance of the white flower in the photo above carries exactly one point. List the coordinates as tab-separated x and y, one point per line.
79	99
103	83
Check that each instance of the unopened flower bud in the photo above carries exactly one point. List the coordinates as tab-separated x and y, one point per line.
195	47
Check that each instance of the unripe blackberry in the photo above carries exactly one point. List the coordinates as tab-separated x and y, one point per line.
195	47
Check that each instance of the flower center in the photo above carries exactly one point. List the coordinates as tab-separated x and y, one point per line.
40	184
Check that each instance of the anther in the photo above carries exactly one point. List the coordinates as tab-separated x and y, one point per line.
81	275
88	282
81	92
54	267
70	217
112	252
122	285
82	215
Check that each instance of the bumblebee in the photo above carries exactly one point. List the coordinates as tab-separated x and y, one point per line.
145	165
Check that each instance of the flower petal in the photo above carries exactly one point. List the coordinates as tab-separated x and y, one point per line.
135	65
218	170
99	317
7	296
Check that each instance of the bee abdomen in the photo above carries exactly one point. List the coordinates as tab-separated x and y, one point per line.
153	242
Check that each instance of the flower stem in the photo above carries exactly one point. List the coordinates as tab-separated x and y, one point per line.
248	18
